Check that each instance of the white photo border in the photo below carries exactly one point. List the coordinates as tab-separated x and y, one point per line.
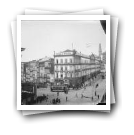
65	18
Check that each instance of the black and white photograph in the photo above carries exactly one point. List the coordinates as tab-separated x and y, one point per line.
64	62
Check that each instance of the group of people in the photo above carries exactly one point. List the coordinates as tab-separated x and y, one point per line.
39	99
31	101
55	101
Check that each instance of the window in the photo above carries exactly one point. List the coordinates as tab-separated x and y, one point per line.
66	68
71	61
65	74
70	68
57	61
46	64
56	68
65	60
71	75
61	61
61	68
41	68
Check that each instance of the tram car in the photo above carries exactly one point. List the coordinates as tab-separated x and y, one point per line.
59	88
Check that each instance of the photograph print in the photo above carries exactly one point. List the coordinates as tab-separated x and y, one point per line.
64	62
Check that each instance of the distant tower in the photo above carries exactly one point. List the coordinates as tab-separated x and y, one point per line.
100	50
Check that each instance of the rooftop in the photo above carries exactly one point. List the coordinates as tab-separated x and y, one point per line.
68	50
44	59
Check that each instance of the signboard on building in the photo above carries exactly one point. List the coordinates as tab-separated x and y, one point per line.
64	53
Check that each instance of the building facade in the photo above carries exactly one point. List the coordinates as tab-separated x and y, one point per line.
74	66
38	71
23	75
46	70
31	70
104	61
104	57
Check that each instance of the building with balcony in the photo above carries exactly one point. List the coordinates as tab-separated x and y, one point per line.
74	66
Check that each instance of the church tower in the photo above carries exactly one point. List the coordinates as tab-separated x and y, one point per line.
100	51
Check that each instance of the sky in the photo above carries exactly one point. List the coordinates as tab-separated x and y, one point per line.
42	38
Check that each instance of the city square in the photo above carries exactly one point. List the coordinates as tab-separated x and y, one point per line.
86	95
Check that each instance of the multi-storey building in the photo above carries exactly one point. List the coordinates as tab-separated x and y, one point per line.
41	77
29	71
103	67
46	69
23	72
38	71
94	63
74	66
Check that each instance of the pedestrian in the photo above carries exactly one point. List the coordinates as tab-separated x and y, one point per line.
56	100
95	93
98	96
96	85
59	100
66	99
